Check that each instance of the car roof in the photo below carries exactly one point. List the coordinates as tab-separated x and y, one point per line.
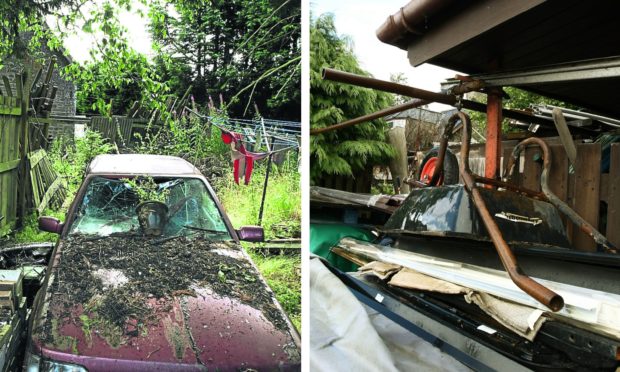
141	164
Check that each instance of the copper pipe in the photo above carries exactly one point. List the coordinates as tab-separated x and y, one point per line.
443	146
386	86
542	294
375	115
553	199
390	87
511	187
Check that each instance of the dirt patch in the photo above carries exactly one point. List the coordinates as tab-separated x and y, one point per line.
151	268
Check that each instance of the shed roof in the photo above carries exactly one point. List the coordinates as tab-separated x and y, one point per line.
491	36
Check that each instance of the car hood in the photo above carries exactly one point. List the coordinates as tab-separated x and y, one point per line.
227	320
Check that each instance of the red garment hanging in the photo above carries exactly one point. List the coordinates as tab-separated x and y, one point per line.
243	160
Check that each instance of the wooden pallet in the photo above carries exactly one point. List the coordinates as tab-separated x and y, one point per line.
48	188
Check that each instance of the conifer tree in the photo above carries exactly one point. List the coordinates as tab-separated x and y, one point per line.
354	149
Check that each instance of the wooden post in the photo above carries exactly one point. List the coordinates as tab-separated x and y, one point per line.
493	148
23	95
586	192
613	203
398	165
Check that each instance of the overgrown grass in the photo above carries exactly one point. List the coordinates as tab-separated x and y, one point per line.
31	233
282	211
283	274
281	218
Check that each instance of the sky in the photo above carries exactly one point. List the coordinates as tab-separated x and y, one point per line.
359	19
138	36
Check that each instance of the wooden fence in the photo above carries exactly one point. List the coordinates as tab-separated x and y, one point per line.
592	194
360	182
11	128
27	180
119	129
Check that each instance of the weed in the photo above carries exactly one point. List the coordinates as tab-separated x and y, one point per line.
71	159
282	211
147	189
283	276
31	233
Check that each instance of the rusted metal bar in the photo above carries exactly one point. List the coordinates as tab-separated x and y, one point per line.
542	294
387	86
493	145
467	86
448	99
511	187
443	146
375	115
415	183
553	199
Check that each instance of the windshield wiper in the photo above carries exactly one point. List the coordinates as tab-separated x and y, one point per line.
196	229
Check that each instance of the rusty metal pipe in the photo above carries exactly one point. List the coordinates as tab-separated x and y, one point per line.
443	147
390	87
553	199
511	187
539	292
386	86
375	115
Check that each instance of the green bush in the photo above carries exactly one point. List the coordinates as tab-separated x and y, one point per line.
71	159
30	233
191	138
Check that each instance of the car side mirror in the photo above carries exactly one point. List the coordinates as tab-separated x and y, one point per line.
50	224
254	234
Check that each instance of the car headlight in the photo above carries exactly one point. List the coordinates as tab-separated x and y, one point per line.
34	363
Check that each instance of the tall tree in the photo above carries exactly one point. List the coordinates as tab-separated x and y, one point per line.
116	75
346	151
246	50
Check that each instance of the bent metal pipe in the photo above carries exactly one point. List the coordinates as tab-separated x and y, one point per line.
539	292
425	95
553	199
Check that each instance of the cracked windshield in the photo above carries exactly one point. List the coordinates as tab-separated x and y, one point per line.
172	207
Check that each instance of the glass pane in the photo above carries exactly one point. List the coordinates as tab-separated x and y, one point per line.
109	206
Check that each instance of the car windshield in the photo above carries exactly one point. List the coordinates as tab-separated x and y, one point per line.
109	207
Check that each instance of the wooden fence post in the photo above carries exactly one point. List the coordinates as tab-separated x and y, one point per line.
24	97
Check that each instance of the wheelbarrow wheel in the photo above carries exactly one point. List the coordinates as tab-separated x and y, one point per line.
450	174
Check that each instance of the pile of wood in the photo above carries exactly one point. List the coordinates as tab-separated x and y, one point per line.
12	318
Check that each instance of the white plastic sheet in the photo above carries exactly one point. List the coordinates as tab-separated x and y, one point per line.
347	336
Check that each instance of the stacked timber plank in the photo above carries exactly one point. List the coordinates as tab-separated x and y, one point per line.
12	318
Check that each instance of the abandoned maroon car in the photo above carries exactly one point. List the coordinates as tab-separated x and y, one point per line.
185	297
